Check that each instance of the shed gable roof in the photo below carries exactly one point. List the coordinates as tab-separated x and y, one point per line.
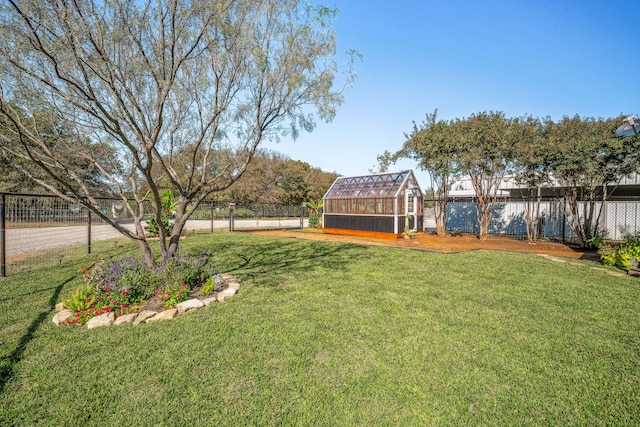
377	185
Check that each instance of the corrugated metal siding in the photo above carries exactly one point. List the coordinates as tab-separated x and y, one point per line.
381	224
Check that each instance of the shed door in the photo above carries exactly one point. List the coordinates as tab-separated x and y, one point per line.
411	210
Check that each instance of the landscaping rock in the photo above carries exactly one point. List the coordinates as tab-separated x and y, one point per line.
615	274
191	304
143	316
61	316
127	318
209	300
163	315
233	284
227	294
102	320
147	316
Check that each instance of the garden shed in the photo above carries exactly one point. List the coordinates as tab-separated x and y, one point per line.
377	205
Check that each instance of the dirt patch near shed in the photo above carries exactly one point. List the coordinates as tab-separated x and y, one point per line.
450	243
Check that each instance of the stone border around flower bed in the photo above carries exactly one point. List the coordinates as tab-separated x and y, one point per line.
149	316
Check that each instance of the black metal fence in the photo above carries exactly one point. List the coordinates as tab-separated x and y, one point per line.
41	230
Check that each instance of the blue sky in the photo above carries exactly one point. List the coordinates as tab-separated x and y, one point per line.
542	58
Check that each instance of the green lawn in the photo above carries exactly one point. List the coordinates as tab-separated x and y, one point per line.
337	334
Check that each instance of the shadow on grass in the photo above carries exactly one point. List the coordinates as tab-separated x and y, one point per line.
28	294
265	260
9	362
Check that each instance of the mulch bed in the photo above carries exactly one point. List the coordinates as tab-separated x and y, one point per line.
450	243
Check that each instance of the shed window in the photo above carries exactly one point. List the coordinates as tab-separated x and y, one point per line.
370	206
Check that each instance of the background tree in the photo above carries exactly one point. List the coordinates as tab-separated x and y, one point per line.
295	182
585	156
274	179
261	182
384	161
154	80
531	171
433	144
13	168
486	154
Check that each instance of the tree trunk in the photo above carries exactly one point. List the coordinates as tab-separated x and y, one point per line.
440	206
441	216
532	215
484	222
147	254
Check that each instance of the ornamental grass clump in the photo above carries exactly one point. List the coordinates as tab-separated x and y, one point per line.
119	285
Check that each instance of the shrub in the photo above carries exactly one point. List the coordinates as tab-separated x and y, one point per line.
119	283
190	270
81	299
173	295
213	284
167	208
314	220
620	255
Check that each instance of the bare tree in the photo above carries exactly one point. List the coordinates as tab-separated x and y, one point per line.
150	79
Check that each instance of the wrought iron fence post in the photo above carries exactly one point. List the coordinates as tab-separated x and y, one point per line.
89	231
232	208
564	217
3	241
212	216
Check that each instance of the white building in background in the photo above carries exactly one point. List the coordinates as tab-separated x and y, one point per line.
620	215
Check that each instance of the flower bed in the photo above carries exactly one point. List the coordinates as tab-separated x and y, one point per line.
119	287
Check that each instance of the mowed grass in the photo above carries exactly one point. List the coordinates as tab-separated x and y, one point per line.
337	334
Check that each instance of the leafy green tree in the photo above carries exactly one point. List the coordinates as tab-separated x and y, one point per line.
434	145
531	170
260	183
585	156
154	80
486	154
384	161
295	182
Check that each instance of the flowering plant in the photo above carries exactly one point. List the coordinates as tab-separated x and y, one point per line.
118	284
110	302
173	295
